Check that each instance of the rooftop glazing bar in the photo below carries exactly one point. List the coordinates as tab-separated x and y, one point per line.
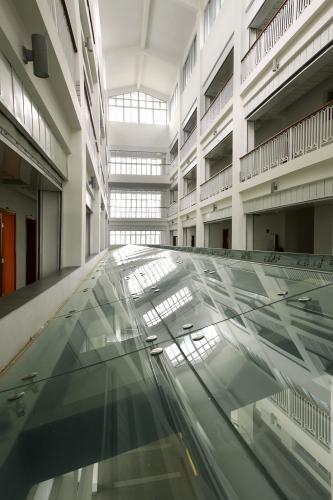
175	375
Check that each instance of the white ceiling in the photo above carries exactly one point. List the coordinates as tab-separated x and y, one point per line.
144	42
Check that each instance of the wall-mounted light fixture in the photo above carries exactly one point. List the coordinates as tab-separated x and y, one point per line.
38	55
88	44
274	187
275	65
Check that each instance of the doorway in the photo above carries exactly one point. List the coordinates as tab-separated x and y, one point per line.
218	234
8	253
31	253
225	238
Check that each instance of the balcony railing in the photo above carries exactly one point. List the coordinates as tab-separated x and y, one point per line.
173	209
217	183
188	144
188	200
61	20
306	414
288	13
308	134
215	109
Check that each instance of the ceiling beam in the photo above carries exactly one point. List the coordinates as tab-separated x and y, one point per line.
143	38
158	54
135	50
191	4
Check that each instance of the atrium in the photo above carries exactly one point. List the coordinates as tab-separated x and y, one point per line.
166	249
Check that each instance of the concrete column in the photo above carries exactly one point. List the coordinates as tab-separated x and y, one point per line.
102	229
95	226
74	205
206	236
239	137
249	232
323	229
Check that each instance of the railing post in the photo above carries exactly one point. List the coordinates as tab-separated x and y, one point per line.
290	139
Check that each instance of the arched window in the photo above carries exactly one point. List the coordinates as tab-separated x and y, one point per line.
137	107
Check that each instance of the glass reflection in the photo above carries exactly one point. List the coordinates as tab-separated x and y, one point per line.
244	413
168	306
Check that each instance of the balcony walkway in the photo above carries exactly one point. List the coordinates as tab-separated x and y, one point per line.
234	403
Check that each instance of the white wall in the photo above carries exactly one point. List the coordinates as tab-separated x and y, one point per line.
23	206
215	233
218	38
294	227
49	231
138	137
188	233
323	229
265	226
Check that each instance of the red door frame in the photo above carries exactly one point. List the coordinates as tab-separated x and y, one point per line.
13	253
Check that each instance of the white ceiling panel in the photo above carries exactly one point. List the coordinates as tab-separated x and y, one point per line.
144	41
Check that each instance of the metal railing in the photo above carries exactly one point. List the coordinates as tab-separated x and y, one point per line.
308	134
60	18
173	209
288	13
188	144
217	183
215	109
306	413
188	200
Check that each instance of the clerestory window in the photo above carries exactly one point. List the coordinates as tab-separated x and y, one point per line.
137	107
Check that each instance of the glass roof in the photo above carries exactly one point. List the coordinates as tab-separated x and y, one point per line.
235	404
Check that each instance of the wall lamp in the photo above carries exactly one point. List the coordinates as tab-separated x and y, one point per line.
276	65
38	55
88	45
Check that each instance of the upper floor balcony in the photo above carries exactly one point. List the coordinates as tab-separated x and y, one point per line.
189	144
218	183
278	25
311	133
16	99
189	200
173	166
138	167
217	106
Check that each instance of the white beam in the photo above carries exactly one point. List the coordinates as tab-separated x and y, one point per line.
192	4
140	69
157	54
145	23
143	39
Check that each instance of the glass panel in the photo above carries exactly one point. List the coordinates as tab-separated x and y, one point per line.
239	408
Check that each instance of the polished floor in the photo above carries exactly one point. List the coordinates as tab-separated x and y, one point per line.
170	375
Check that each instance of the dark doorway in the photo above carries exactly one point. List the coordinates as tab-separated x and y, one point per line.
8	254
225	238
31	257
174	241
192	240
